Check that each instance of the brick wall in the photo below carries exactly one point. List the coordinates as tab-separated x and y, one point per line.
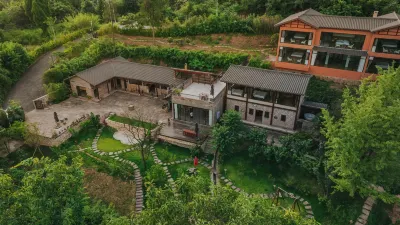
264	109
103	90
231	103
290	118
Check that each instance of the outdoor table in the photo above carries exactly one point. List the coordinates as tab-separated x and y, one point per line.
297	54
300	36
260	94
342	43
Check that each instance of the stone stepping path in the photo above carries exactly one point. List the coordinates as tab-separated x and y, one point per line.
363	218
138	178
306	204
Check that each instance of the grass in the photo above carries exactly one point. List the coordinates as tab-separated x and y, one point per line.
136	157
169	153
107	143
178	170
84	138
132	122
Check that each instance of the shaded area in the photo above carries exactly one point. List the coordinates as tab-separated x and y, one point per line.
169	153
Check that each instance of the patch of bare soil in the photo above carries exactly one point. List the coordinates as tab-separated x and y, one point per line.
253	45
111	190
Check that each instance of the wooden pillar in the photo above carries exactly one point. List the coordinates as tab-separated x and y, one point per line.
273	107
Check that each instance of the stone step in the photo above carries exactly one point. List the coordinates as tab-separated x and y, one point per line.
305	203
310	212
307	207
309	216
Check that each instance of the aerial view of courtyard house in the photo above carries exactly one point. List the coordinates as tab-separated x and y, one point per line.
188	112
343	47
267	98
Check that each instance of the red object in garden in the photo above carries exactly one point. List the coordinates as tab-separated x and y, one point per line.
195	161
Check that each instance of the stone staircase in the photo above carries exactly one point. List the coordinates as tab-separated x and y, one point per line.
367	207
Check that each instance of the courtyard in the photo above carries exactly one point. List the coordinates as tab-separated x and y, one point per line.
74	108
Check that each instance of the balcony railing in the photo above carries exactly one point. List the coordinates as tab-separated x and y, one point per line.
292	55
386	46
337	40
299	38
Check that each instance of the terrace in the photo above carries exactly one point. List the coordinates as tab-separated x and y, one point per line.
294	55
388	46
338	40
338	61
294	37
382	63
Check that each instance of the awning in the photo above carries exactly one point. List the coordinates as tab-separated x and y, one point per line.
340	51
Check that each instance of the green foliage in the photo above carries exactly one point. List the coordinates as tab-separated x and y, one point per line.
40	12
60	40
14	59
24	37
132	121
259	63
93	122
153	12
274	40
5	84
82	21
15	112
57	92
196	204
4	123
196	151
321	91
364	144
197	60
228	133
156	175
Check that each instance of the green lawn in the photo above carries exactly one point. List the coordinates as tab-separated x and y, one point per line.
84	138
178	170
169	153
135	157
107	143
132	122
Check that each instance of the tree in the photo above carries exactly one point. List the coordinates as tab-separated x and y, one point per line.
153	11
364	145
32	137
40	11
57	92
14	60
140	132
4	122
15	112
198	203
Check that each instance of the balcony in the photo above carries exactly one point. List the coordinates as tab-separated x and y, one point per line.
293	55
338	40
387	46
339	61
294	37
382	63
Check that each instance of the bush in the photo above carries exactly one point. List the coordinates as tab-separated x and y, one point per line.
259	63
93	122
274	39
156	175
13	59
196	151
24	37
82	21
15	112
320	91
4	119
5	85
106	29
57	92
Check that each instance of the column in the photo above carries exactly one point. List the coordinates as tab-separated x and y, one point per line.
361	65
283	36
347	62
307	57
310	38
327	59
313	58
176	111
375	43
280	54
210	117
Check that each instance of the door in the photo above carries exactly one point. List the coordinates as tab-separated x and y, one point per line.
259	115
81	91
96	93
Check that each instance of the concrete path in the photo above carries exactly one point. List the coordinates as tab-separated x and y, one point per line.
30	86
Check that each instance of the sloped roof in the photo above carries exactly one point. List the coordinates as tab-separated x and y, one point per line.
274	80
318	20
120	67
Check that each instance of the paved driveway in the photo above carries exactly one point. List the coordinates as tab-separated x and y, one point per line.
30	86
73	108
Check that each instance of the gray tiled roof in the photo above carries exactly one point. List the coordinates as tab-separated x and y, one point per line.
120	67
274	80
340	51
318	20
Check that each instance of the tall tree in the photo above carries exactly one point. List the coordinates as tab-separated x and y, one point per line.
364	145
153	11
40	12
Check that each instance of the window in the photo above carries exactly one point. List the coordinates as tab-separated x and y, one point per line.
286	99
262	95
251	111
236	108
283	118
266	114
237	90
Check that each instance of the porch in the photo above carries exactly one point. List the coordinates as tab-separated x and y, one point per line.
176	129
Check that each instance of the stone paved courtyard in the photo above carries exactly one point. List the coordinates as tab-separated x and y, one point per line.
73	108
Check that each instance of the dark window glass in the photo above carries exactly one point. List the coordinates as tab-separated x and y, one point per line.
283	118
251	111
236	108
266	114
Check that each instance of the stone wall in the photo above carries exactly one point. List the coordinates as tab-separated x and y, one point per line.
231	103
263	108
123	126
192	102
290	118
103	89
77	81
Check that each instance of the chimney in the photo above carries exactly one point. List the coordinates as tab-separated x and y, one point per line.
375	14
186	67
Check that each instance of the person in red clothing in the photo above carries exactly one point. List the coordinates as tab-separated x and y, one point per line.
195	161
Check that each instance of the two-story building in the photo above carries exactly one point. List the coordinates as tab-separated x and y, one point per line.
265	98
343	47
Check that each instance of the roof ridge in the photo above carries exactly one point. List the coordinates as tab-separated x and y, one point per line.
281	71
354	17
101	63
144	64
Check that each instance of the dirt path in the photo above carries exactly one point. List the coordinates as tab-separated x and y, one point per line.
30	86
